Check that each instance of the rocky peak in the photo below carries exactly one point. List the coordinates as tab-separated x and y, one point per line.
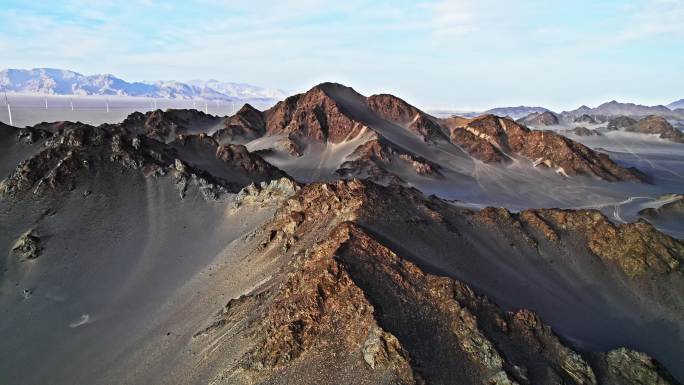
247	124
316	114
237	156
620	122
546	118
583	131
586	119
392	108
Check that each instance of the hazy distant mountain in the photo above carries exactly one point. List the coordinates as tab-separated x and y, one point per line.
678	104
537	119
240	90
64	82
614	108
516	112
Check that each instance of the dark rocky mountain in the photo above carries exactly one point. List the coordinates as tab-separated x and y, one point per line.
537	119
315	115
657	125
494	139
77	150
586	119
165	125
583	131
247	124
620	122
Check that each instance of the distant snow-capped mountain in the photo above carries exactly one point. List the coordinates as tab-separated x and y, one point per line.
240	90
53	81
675	105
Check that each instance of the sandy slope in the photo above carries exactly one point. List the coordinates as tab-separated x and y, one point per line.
127	275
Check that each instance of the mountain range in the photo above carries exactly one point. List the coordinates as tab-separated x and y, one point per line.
52	81
613	108
336	238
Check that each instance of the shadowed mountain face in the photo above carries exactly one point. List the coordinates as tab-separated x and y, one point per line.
181	248
166	125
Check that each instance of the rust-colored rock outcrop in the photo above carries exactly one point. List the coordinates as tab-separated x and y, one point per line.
493	139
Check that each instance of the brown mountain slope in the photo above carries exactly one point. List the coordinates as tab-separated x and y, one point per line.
397	111
493	139
314	114
373	159
350	307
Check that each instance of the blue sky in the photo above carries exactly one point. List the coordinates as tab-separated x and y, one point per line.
466	54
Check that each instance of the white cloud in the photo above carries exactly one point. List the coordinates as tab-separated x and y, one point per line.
655	17
453	17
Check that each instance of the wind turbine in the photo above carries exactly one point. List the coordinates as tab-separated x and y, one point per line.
206	108
107	104
46	102
155	103
9	110
71	103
